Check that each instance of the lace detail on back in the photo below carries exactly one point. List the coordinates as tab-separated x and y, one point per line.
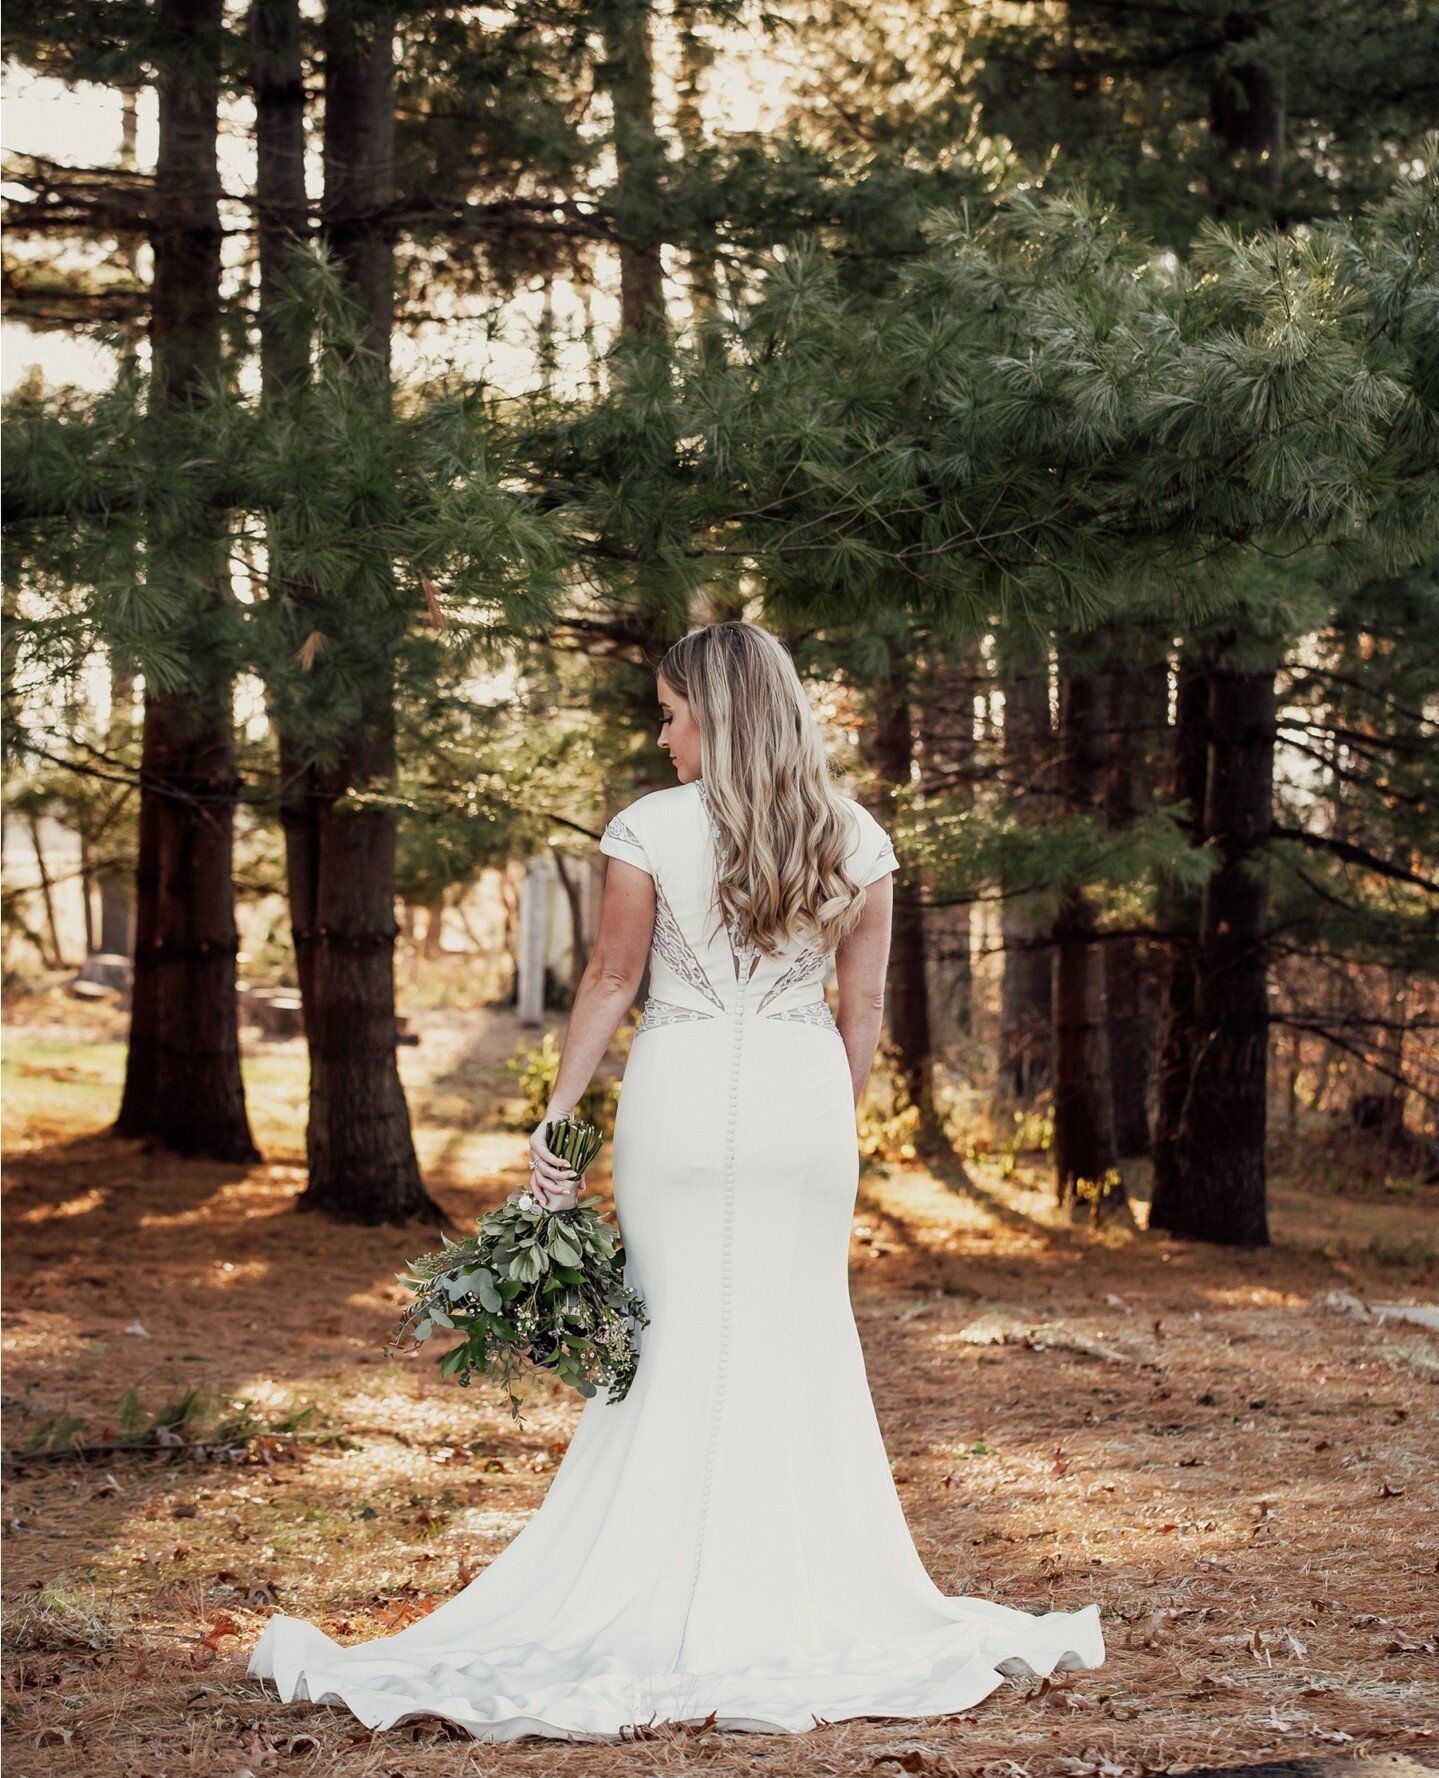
672	945
809	964
665	1012
813	1012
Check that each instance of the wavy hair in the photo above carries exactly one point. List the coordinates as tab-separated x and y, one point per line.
785	830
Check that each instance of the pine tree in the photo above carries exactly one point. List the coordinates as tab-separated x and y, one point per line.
1024	1064
1138	695
182	1071
1086	1143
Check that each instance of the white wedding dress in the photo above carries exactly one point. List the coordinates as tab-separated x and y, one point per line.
727	1540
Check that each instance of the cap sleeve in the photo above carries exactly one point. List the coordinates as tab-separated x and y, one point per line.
623	838
873	854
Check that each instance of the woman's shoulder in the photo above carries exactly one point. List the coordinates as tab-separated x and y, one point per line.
860	819
639	829
656	807
871	850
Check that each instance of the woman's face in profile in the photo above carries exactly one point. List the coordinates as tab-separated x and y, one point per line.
679	732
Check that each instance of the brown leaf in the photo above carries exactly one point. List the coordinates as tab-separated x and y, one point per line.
261	1752
222	1627
309	648
438	620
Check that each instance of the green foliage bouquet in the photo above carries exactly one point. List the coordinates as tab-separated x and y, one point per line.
533	1289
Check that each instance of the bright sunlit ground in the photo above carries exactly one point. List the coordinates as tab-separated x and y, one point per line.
1222	1449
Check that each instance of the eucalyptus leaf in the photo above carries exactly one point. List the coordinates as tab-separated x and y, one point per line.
534	1290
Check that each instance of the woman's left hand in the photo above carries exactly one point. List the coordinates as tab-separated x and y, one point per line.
552	1179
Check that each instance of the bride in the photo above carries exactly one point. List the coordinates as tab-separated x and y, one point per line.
725	1542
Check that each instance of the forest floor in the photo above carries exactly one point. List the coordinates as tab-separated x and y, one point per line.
1230	1452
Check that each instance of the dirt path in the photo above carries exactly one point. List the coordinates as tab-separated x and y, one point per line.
1223	1450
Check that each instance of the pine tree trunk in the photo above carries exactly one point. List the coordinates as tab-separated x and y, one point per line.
696	56
887	745
184	1088
182	1081
282	221
362	1164
277	80
944	703
117	897
627	75
1026	1010
1178	913
1137	692
1085	1150
1221	1174
341	862
1246	113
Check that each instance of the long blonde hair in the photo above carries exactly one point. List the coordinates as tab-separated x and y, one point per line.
785	831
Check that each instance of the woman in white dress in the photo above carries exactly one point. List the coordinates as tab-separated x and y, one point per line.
727	1541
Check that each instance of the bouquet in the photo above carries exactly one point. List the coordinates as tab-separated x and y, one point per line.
533	1289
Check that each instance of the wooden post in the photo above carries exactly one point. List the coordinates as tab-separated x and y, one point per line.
534	940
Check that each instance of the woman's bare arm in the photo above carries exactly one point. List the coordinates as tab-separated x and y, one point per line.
860	965
606	992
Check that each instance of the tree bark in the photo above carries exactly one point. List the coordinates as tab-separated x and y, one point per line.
1026	1009
1137	692
282	204
278	82
1178	910
696	57
1246	114
1086	1154
627	75
1220	1179
887	745
944	701
341	860
117	898
183	1086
